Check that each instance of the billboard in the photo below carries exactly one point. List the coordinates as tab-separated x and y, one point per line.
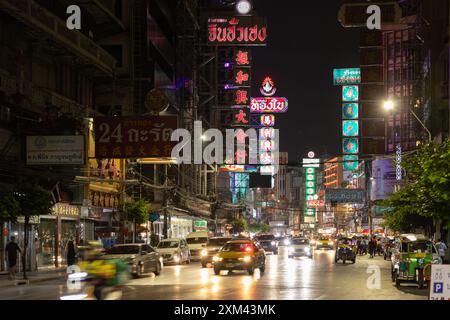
346	76
350	162
350	93
345	195
134	137
350	111
268	105
350	146
384	179
350	128
55	150
237	31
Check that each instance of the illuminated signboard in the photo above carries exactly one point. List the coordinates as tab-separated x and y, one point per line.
350	111
241	117
310	212
267	170
316	203
311	163
267	133
350	93
346	76
350	162
268	88
350	145
267	145
266	158
268	105
350	128
242	58
267	120
242	77
238	168
241	96
236	31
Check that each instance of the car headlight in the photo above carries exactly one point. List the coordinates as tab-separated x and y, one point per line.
286	242
291	249
246	259
273	243
217	259
176	257
313	242
307	249
204	253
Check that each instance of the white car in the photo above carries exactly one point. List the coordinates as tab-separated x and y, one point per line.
300	247
174	251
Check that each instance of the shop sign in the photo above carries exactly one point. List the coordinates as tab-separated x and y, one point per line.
235	31
350	128
440	282
268	105
33	220
316	203
66	210
200	225
351	162
55	150
154	216
345	195
346	76
350	111
134	137
350	146
350	93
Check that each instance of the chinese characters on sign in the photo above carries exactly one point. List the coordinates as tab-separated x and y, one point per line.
243	58
134	137
242	30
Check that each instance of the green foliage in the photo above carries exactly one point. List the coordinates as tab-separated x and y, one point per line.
137	211
9	208
427	196
239	225
33	200
258	227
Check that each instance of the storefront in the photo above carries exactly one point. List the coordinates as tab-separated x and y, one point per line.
54	232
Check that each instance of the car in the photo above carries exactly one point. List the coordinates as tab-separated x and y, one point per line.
246	255
300	247
268	243
212	248
324	242
197	241
174	251
142	258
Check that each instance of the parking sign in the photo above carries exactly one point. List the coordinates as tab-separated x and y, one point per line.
440	282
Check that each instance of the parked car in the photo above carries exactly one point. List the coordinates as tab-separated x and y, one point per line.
141	257
300	247
197	241
174	251
268	242
212	248
246	255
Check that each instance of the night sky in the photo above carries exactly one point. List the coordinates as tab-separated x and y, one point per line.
305	43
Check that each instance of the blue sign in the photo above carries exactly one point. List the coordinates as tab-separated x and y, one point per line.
438	287
153	216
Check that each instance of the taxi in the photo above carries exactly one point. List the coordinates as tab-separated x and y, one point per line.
246	255
325	242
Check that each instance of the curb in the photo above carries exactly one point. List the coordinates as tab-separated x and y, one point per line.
29	281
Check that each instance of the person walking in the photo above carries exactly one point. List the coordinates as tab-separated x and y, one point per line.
11	250
70	253
441	248
372	247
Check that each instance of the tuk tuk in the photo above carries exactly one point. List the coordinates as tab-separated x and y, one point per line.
345	250
412	255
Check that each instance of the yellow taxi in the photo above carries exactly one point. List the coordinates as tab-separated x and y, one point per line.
243	254
325	242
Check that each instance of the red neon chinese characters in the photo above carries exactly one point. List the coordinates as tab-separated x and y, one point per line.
240	117
241	77
242	58
241	97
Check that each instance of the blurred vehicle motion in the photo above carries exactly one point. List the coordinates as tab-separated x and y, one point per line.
325	242
267	242
212	248
299	247
174	251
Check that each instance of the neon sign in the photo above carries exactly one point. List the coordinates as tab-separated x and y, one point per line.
350	128
241	76
347	76
350	145
268	120
242	58
242	30
350	162
350	93
350	111
268	88
268	105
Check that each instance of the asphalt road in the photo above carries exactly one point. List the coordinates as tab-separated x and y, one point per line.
284	279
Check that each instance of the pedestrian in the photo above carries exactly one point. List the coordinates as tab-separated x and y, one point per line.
11	254
70	253
373	247
441	248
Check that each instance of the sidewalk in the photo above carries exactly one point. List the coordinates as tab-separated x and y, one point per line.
33	277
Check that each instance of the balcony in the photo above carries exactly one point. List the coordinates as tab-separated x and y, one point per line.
45	24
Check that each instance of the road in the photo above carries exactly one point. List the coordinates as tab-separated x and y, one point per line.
284	279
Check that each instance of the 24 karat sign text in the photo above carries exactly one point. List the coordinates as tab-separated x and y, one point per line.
134	137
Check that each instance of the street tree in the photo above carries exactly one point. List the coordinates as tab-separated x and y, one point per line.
137	212
33	200
239	225
425	200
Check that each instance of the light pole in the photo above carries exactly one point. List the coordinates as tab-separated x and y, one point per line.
389	105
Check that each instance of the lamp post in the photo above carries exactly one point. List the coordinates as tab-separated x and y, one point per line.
389	105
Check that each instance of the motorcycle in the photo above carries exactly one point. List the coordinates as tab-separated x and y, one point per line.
345	251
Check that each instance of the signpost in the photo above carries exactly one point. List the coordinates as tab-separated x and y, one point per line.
440	282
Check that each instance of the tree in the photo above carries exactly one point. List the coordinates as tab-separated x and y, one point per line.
258	227
137	211
9	211
239	225
426	198
33	200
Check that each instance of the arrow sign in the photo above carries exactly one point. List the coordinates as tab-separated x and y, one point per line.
152	217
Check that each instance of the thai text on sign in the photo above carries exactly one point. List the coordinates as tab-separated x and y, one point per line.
268	105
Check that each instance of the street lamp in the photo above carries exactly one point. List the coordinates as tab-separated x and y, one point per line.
389	105
243	7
